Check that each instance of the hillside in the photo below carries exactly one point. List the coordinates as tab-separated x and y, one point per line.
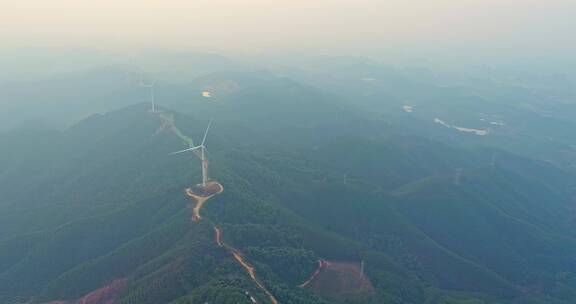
101	206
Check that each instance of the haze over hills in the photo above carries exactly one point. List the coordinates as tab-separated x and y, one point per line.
411	185
529	113
287	152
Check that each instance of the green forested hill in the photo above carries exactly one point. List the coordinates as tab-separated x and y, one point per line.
103	201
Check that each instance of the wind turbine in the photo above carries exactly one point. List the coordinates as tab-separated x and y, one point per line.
201	152
151	87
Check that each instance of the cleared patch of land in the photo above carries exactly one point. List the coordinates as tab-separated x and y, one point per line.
336	279
201	194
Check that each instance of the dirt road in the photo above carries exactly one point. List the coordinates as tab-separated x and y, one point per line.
321	265
167	122
200	201
242	261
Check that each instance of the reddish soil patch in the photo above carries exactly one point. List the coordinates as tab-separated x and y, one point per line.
201	194
340	280
104	295
212	187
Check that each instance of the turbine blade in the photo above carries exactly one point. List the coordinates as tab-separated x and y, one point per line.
206	133
185	150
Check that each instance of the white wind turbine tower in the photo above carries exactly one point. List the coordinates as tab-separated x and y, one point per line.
201	152
151	88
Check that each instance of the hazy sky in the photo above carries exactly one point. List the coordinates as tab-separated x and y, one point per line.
348	26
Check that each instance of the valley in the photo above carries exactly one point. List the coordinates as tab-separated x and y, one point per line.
337	205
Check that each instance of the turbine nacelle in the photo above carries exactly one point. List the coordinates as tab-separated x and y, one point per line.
201	154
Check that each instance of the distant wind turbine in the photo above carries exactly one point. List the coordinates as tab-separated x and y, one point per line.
151	88
201	152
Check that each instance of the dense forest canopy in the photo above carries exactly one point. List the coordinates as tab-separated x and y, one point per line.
399	185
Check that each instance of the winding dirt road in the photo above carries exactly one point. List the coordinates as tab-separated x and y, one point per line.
321	265
217	237
200	201
245	264
167	122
